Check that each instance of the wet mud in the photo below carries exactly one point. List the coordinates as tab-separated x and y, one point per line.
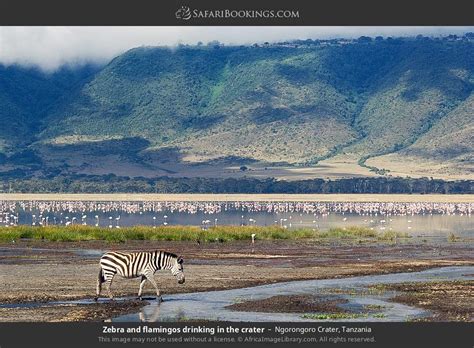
66	271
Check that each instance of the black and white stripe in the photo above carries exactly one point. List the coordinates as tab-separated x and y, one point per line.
138	264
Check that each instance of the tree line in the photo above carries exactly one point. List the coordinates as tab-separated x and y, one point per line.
119	184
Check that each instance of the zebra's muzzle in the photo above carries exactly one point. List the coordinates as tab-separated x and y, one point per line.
181	279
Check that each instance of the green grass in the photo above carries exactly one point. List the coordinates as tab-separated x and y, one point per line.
340	316
169	233
354	232
378	288
374	307
379	315
348	232
452	238
178	233
333	316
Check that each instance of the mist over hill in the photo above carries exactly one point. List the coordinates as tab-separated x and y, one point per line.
293	110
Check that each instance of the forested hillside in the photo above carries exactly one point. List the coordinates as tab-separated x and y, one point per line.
381	106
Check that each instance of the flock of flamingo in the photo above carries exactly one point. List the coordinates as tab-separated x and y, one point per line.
44	213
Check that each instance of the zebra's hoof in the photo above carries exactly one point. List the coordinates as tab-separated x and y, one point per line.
140	298
159	299
96	298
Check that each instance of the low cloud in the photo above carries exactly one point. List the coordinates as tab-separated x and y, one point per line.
52	47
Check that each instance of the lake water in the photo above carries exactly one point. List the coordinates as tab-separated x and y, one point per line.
421	219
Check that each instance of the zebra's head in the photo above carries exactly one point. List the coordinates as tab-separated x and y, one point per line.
177	270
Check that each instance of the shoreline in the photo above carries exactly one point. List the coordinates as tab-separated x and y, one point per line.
362	198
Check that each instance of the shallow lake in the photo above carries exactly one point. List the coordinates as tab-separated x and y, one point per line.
418	219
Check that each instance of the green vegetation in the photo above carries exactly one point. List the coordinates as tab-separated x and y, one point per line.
25	96
175	233
452	238
349	232
169	233
374	307
291	103
15	181
393	235
378	288
368	310
439	141
334	316
355	232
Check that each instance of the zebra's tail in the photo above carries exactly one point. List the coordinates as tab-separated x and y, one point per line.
100	280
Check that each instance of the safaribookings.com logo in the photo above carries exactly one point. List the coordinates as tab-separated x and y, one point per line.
186	13
183	13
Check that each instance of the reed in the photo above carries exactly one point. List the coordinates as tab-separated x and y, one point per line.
180	233
168	233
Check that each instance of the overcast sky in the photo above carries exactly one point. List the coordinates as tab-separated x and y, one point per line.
52	47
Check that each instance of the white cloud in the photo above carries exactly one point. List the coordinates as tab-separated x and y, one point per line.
52	47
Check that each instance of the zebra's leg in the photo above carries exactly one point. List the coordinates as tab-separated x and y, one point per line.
150	278
98	289
108	281
142	282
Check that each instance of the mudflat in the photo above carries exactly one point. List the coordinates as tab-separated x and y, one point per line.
34	272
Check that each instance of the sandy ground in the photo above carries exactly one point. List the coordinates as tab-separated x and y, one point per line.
39	271
238	197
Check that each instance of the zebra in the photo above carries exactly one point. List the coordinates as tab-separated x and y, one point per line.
137	264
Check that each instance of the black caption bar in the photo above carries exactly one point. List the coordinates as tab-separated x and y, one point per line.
254	334
241	12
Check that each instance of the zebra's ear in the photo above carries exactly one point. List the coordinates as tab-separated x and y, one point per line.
180	259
